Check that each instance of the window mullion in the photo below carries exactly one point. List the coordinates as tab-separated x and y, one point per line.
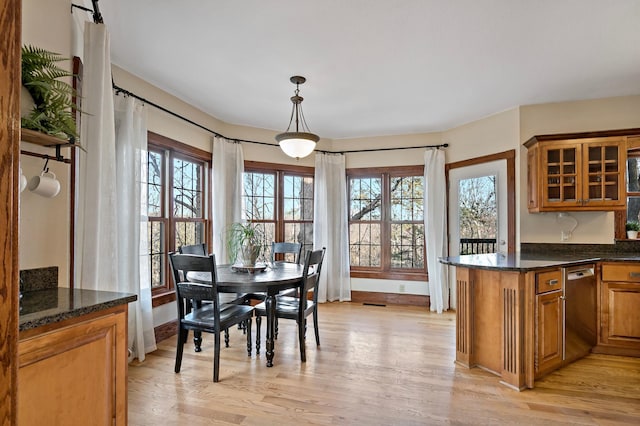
279	190
385	232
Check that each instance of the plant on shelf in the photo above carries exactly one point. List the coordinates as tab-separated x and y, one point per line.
52	108
632	229
244	242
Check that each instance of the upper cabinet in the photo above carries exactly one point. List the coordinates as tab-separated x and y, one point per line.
577	172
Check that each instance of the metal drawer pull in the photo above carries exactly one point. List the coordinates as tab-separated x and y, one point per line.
555	282
634	274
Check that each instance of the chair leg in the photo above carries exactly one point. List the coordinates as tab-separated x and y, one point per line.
275	334
301	332
179	349
315	326
197	340
248	330
226	337
258	323
216	357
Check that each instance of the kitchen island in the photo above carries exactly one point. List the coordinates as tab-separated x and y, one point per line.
511	315
72	356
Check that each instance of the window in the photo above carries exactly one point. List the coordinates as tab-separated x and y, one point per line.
281	198
177	179
386	226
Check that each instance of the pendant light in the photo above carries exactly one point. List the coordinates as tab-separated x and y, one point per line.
297	144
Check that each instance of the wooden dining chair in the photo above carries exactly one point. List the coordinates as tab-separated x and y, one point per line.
298	308
286	248
199	249
211	317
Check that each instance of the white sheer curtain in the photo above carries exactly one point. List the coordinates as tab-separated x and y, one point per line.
435	223
133	262
330	227
109	196
228	167
97	242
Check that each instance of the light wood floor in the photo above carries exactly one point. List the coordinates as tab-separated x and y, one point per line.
377	366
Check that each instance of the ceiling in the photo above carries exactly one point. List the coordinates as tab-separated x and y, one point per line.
377	67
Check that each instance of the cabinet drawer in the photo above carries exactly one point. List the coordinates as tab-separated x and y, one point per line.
625	272
548	281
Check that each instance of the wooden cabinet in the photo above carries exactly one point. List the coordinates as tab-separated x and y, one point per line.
576	174
548	322
620	309
75	372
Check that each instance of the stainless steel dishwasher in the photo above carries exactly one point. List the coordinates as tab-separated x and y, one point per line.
579	297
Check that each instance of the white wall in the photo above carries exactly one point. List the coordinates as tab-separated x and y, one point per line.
44	222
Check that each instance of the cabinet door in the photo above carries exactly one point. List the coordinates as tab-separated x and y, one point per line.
620	314
549	336
603	173
561	175
75	375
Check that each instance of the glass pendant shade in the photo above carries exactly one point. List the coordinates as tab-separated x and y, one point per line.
297	144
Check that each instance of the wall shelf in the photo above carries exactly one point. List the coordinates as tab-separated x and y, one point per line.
42	139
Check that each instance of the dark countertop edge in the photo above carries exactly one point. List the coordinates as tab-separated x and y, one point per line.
124	299
551	263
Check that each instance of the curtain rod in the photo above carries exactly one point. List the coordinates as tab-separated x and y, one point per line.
97	16
442	145
119	90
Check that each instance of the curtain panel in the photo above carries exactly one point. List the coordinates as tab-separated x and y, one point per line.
109	192
435	223
330	227
96	242
131	188
227	189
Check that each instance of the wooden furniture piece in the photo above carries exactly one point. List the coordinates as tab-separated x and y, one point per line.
198	249
493	313
548	321
211	317
299	308
286	248
271	281
619	323
522	317
576	172
72	357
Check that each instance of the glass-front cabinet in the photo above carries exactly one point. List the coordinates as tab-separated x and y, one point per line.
576	173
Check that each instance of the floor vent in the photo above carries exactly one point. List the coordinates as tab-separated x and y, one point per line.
375	304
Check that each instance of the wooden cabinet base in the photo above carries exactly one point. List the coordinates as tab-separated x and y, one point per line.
492	324
75	374
620	310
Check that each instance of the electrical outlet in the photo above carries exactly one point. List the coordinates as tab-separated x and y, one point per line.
401	288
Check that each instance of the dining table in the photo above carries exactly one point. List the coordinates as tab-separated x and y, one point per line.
270	279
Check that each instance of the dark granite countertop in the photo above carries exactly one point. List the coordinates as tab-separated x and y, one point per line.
42	307
524	262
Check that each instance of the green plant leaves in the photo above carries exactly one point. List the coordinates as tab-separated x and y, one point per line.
54	108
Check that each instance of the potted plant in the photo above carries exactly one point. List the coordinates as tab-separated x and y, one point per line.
632	230
47	104
244	242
